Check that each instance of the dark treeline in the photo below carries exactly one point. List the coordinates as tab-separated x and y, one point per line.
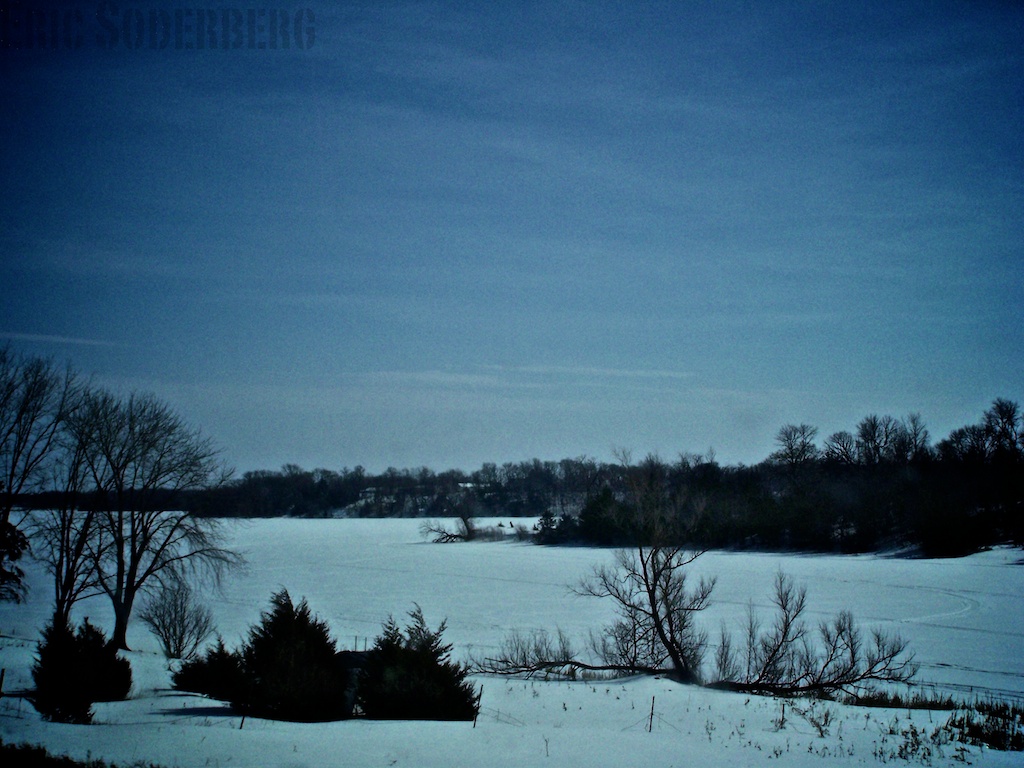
524	489
882	485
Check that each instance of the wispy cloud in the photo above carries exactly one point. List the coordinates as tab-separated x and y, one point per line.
42	338
518	376
437	378
589	371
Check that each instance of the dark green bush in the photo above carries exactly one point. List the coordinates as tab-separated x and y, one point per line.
409	676
291	666
74	670
217	674
287	670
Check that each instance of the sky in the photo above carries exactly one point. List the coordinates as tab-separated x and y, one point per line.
447	233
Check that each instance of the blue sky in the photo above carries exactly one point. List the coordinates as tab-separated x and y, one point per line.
450	233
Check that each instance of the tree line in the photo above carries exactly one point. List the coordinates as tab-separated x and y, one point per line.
514	489
882	484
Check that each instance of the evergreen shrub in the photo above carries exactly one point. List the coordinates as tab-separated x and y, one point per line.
217	674
291	667
288	669
74	670
409	676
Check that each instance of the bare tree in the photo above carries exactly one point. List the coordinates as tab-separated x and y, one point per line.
884	439
966	444
62	537
781	653
139	456
796	445
841	447
436	531
177	619
917	436
656	630
465	509
787	659
654	634
536	654
34	398
1004	428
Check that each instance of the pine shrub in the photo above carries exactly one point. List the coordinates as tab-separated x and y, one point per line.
288	669
217	674
74	670
409	676
291	667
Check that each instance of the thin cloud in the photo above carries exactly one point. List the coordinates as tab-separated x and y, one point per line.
506	375
572	371
42	338
433	378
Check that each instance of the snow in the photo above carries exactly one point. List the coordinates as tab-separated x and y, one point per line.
963	619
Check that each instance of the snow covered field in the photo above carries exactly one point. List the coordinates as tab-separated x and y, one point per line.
963	618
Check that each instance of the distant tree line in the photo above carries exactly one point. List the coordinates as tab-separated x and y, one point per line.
882	484
523	489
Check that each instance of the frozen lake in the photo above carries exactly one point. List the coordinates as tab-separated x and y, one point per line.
963	617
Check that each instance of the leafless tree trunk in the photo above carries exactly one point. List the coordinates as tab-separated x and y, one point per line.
657	611
139	455
34	398
62	538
